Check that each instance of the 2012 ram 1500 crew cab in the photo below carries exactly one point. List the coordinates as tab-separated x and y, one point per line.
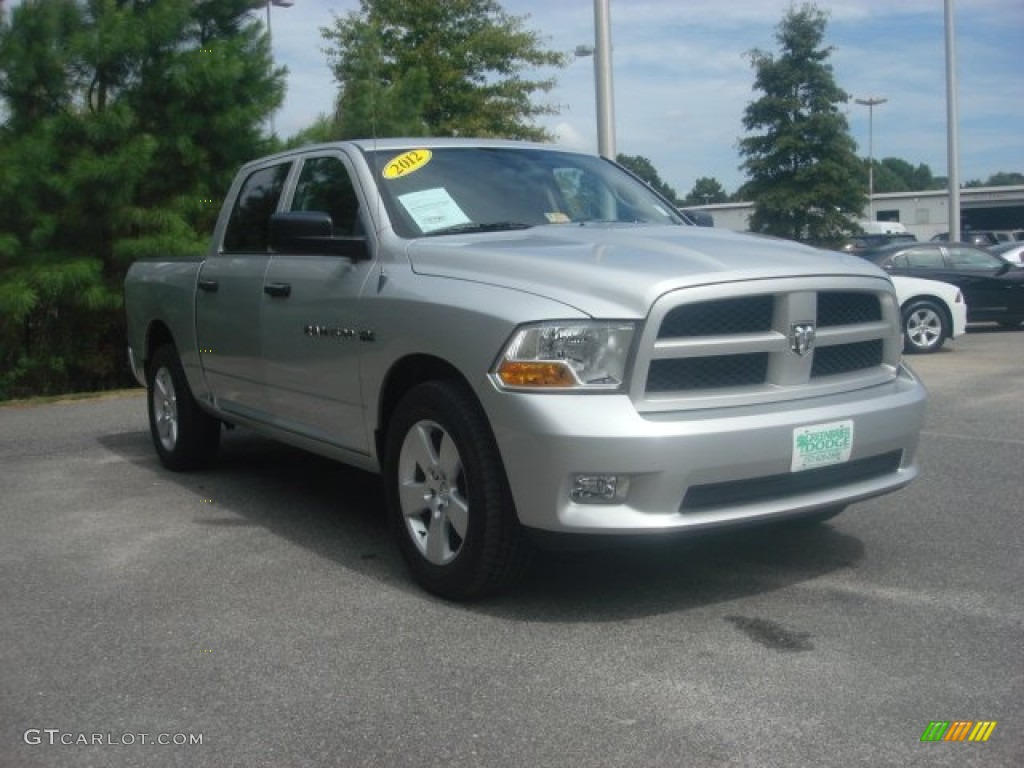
521	337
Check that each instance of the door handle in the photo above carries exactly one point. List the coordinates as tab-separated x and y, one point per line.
210	286
278	289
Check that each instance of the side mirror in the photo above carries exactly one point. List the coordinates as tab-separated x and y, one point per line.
312	232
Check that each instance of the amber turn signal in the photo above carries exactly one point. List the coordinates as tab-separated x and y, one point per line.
518	373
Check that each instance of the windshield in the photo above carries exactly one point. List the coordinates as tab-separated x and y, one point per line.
452	190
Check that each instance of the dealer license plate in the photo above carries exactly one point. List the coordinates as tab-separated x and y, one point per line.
820	445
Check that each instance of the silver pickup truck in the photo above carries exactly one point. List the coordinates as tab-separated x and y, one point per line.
523	338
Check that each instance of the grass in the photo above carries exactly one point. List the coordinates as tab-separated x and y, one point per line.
72	397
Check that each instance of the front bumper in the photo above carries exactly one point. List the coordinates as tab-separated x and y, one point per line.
735	463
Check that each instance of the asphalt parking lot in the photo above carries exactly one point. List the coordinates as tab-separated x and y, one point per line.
261	610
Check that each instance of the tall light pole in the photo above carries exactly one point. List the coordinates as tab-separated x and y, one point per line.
270	42
952	130
871	103
605	100
603	70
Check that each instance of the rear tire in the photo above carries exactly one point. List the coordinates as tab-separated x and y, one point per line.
924	327
184	435
449	504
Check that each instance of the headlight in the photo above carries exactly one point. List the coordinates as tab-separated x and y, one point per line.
587	356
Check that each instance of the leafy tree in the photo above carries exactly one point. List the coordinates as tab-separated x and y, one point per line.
643	168
436	67
1001	179
324	128
706	191
803	171
122	122
893	174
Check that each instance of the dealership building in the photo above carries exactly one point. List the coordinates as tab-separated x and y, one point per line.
923	213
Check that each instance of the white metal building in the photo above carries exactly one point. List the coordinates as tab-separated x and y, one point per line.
923	213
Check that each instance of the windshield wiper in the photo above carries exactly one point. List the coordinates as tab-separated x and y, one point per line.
470	226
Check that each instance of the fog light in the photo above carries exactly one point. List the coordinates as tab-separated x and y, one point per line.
599	489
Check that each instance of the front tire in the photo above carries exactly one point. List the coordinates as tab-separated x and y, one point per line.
449	503
184	435
924	327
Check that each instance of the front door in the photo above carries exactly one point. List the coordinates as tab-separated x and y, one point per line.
312	330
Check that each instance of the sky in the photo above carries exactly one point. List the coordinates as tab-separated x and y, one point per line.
681	77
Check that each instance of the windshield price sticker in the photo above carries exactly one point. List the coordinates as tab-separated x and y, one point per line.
820	445
406	163
433	209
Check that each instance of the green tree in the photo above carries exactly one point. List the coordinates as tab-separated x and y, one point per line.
122	122
437	67
800	160
1000	179
644	168
893	174
706	191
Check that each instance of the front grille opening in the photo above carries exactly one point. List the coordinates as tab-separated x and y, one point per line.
682	374
746	314
847	308
846	358
700	498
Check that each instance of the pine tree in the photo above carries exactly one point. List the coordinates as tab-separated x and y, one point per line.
123	121
801	161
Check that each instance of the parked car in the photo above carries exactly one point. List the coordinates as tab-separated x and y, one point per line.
982	237
931	313
700	218
992	287
1011	252
859	243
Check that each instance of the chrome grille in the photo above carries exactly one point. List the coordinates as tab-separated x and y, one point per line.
847	308
845	358
707	372
711	318
733	344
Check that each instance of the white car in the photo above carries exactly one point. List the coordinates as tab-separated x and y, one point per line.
932	312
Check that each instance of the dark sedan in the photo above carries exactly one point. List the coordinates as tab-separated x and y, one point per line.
992	287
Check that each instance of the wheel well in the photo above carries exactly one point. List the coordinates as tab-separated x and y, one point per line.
947	318
405	374
158	335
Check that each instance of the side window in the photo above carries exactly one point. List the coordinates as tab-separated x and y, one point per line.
924	258
324	185
247	228
969	258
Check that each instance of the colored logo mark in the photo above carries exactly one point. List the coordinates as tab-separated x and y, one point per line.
958	730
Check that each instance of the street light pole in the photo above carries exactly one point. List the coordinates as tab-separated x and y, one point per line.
604	100
603	83
871	103
270	42
952	129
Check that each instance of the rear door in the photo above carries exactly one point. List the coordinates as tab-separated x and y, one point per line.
229	297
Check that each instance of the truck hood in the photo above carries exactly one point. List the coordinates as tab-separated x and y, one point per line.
619	271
